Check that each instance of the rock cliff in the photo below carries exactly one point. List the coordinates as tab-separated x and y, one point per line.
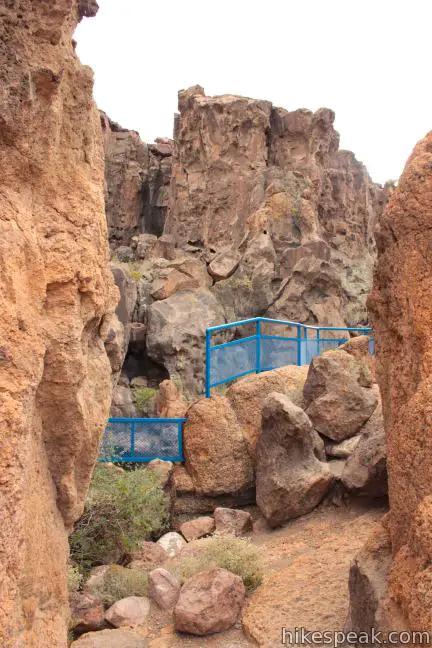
56	302
401	308
262	200
137	181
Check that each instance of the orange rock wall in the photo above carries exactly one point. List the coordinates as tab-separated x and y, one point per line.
401	307
55	293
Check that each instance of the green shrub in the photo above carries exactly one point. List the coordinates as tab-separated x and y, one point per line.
237	555
123	509
74	578
143	397
120	582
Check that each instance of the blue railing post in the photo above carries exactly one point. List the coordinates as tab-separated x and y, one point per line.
207	364
180	440
318	339
299	339
258	346
132	438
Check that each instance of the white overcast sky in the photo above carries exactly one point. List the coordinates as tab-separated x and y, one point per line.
368	60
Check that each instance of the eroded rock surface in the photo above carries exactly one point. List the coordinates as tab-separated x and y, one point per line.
137	178
402	313
57	294
290	480
338	394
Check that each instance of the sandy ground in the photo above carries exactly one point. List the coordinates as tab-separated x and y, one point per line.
305	584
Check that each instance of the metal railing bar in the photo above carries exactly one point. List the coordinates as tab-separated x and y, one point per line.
244	373
146	420
239	341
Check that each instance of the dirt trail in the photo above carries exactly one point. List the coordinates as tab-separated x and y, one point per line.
305	584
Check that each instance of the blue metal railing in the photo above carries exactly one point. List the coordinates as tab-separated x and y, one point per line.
142	439
262	351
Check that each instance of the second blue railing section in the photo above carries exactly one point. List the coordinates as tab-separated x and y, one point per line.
262	344
142	439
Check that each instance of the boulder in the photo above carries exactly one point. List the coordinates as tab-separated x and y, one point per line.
290	480
365	472
367	583
338	394
130	611
142	243
149	556
122	404
86	613
215	449
182	481
164	588
247	396
342	449
169	402
176	334
110	639
173	281
162	469
209	602
224	264
198	528
164	247
172	542
232	521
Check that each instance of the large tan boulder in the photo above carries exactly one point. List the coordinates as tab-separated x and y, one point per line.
338	394
215	449
56	302
247	396
209	602
290	480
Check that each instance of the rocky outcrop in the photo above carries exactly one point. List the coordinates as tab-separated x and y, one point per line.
271	217
57	297
290	480
289	200
137	177
401	308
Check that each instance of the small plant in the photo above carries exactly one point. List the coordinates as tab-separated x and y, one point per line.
143	397
237	555
123	509
74	578
135	274
120	582
241	282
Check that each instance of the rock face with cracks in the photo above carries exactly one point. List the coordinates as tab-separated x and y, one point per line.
56	300
290	480
401	308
